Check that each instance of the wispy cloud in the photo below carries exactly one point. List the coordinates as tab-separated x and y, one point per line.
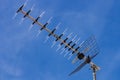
109	65
9	68
92	19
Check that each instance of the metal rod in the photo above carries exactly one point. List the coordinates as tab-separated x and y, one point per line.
94	75
94	72
49	31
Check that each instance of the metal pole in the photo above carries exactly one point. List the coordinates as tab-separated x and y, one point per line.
94	75
94	72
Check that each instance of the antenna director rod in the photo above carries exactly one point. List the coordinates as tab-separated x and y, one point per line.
49	31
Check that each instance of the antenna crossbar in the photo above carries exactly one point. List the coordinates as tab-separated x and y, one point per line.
49	31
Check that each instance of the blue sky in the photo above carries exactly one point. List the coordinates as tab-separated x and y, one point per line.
24	57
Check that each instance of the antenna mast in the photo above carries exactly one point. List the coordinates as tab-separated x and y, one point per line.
94	70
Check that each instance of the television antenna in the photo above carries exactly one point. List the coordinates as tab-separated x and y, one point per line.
88	46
